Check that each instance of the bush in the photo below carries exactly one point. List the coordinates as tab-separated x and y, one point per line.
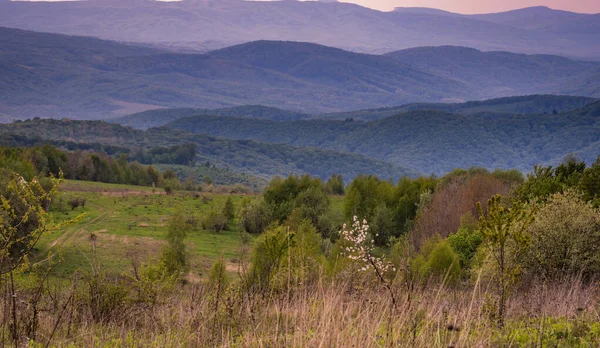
229	209
215	221
76	203
269	250
438	261
564	238
255	216
170	185
465	243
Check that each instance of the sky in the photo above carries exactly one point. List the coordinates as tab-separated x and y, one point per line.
483	6
471	6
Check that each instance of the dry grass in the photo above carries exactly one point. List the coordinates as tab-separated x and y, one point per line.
328	315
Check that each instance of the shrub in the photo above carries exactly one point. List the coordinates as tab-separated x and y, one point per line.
269	250
255	216
214	221
437	260
564	238
170	185
229	209
465	243
76	203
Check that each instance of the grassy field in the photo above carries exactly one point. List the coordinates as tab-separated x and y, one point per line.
129	223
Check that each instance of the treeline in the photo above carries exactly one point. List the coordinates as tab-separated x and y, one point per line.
184	154
48	160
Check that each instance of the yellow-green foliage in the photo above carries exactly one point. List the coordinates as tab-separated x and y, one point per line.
303	260
438	261
564	238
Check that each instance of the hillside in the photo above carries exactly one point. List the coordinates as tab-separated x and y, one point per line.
202	24
87	78
429	141
260	159
491	108
499	73
159	117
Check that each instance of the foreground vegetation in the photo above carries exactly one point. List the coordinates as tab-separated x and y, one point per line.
473	258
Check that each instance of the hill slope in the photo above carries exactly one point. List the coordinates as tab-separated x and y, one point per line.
491	108
429	141
499	73
201	24
263	160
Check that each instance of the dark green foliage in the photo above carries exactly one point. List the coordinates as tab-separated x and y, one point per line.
81	165
590	183
382	225
572	173
391	207
335	185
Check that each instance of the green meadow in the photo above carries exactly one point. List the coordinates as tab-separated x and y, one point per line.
123	224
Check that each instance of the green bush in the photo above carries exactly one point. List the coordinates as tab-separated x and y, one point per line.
436	261
465	243
564	238
269	251
255	216
215	221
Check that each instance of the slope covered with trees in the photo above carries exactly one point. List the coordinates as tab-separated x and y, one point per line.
429	141
261	159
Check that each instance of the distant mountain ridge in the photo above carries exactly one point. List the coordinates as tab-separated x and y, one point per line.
50	75
493	108
210	24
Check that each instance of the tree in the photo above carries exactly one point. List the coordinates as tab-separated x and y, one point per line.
229	209
502	226
22	217
174	255
335	185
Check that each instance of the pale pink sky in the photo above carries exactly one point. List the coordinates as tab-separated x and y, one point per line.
483	6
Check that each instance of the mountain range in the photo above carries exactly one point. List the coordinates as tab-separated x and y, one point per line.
53	75
209	24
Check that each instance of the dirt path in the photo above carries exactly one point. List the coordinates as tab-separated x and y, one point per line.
72	231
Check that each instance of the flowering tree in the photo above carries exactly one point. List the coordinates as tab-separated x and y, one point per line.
359	246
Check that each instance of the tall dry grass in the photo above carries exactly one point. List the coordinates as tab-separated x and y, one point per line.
320	315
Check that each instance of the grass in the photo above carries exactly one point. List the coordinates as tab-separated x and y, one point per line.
129	223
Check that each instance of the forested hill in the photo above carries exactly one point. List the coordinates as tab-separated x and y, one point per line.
491	108
159	117
261	159
501	107
429	141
